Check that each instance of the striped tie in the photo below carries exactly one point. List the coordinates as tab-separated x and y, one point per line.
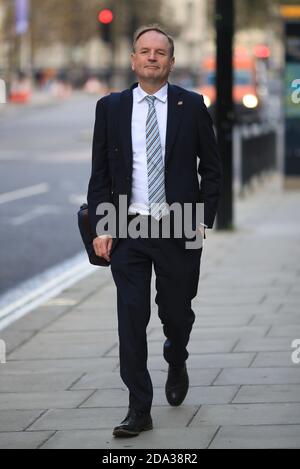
156	177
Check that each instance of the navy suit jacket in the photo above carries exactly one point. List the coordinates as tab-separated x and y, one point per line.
191	149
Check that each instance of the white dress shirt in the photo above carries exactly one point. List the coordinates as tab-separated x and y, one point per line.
139	202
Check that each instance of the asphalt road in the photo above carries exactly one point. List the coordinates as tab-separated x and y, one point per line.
45	161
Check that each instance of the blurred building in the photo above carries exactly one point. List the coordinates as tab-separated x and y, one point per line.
190	20
187	23
2	39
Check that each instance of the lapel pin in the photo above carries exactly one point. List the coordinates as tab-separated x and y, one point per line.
180	103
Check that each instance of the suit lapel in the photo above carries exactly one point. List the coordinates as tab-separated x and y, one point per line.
126	106
175	113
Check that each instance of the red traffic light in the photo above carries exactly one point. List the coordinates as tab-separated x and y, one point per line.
262	52
105	16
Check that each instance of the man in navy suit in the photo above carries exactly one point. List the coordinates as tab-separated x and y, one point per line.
150	144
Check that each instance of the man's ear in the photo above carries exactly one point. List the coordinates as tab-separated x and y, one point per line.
132	63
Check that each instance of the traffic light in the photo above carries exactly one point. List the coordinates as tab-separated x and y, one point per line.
262	52
105	19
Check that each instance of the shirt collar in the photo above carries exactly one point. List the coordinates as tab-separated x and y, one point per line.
161	94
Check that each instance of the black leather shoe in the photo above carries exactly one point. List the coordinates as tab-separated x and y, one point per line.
134	423
177	385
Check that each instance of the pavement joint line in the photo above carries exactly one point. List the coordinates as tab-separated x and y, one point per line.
43	412
265	296
76	381
23	342
214	437
239	387
268	332
250	321
109	350
235	346
253	360
46	440
79	406
193	416
218	374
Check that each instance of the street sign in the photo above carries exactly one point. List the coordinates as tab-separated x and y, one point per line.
292	103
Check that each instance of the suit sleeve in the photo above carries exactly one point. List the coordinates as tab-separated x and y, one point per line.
210	165
99	188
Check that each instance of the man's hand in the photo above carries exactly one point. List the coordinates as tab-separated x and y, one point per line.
102	246
202	229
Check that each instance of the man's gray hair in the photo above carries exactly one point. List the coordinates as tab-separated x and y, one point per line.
153	27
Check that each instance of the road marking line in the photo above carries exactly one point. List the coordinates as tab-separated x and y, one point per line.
35	213
25	192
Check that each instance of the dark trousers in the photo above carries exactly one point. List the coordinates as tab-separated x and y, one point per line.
177	276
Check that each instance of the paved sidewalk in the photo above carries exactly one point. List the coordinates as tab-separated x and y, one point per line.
60	387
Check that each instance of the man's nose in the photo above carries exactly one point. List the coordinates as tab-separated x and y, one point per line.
152	56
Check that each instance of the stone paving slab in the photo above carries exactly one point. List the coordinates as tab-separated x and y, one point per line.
106	418
269	393
37	382
273	359
291	332
197	346
267	344
112	380
214	360
43	400
80	366
216	332
259	376
247	414
279	319
258	437
23	440
198	395
17	420
95	439
66	346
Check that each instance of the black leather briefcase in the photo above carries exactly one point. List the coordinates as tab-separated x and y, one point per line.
87	237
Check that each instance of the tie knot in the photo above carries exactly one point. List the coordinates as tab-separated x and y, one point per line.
150	100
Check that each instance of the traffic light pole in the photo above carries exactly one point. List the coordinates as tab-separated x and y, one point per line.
224	107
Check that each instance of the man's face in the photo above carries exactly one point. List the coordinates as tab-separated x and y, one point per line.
152	59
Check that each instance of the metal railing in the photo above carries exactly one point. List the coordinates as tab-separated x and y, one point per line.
257	152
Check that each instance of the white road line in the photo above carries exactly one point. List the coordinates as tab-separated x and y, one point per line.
35	213
42	287
77	199
25	192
